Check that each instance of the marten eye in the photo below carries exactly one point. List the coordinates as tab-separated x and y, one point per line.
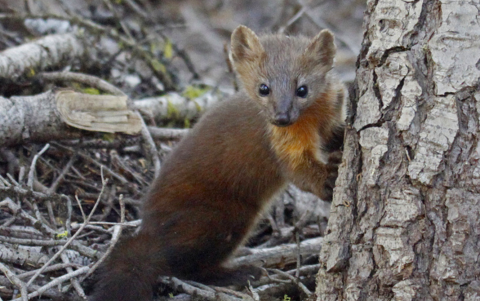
264	90
302	91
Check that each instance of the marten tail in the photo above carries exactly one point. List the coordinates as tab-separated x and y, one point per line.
130	272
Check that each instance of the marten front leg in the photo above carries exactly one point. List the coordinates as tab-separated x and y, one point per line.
316	177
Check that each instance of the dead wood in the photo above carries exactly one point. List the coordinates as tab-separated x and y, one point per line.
56	115
28	59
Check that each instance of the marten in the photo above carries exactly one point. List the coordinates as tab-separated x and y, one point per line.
281	127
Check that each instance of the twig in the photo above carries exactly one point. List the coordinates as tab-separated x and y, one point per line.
137	9
53	267
190	289
232	292
180	52
26	193
118	19
284	253
54	186
32	242
50	294
56	281
14	279
294	280
103	167
117	232
299	256
134	223
22	257
150	146
68	222
151	61
31	173
338	36
86	79
39	225
74	281
81	208
104	182
167	134
293	19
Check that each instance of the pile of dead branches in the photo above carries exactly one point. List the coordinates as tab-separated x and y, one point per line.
67	207
79	152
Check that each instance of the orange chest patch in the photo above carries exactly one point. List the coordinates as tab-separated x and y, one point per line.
300	142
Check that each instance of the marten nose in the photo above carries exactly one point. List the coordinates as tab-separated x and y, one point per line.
282	119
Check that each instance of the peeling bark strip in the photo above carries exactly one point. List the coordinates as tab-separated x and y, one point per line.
99	113
56	115
404	223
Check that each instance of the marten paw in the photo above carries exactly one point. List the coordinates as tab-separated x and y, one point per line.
247	273
239	276
334	160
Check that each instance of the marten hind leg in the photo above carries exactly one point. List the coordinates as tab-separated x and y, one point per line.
204	263
205	243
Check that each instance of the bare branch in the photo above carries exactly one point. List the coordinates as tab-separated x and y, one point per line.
104	182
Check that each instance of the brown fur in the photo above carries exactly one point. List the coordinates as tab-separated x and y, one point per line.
219	178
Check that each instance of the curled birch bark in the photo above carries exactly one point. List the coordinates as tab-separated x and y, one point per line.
59	114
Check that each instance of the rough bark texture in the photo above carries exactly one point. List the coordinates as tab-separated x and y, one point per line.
404	222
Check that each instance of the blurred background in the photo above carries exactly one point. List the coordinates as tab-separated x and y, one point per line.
167	52
197	30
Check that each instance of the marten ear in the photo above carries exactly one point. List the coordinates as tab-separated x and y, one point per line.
322	49
245	44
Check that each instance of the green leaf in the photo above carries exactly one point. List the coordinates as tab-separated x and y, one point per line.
91	91
158	66
168	49
192	92
109	137
64	234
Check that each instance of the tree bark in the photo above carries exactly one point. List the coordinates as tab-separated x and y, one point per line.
404	221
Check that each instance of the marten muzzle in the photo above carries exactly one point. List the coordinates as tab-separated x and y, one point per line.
285	112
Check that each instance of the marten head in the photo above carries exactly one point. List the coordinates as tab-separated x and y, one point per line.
284	75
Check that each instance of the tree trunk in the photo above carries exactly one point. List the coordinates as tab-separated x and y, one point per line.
404	221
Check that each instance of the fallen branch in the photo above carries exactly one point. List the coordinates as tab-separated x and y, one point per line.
280	254
174	106
166	134
53	116
55	282
44	53
14	279
204	292
71	239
